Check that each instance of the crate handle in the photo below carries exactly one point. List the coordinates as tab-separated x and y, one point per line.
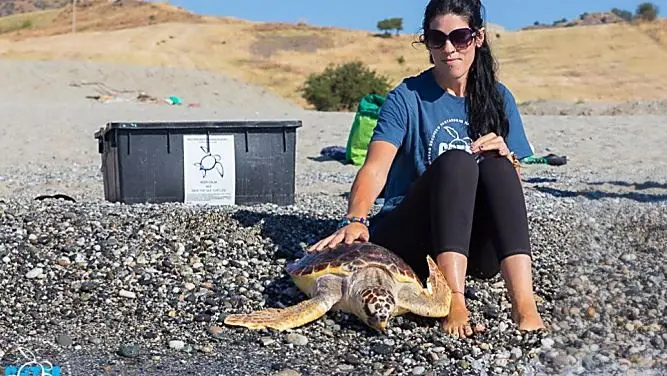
284	140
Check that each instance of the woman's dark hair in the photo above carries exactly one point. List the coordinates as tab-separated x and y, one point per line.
485	104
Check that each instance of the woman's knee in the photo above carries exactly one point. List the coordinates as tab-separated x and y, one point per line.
453	162
494	164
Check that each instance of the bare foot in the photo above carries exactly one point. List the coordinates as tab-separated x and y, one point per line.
527	317
457	322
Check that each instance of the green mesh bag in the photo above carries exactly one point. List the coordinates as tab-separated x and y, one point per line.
362	128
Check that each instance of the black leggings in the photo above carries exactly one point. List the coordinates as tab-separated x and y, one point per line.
458	204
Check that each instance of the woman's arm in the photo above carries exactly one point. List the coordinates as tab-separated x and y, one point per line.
371	178
367	186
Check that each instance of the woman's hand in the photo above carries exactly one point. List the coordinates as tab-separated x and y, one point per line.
491	141
348	234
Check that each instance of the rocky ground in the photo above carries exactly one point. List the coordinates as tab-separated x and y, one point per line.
111	289
120	288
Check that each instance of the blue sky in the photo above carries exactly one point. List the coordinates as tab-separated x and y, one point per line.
364	14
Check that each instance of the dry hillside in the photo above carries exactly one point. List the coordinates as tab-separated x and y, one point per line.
587	63
9	7
93	15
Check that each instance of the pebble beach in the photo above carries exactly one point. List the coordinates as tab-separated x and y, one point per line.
111	289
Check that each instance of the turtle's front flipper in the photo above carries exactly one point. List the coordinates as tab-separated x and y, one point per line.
434	300
327	293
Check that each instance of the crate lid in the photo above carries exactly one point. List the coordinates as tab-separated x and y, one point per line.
196	125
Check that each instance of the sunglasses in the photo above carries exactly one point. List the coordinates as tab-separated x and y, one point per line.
460	38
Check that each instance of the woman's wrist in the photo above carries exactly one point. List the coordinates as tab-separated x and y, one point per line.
515	161
348	219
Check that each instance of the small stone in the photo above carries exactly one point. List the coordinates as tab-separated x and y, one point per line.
547	343
381	348
267	341
352	359
288	372
629	257
34	273
479	328
176	344
63	340
6	259
127	294
438	349
658	342
215	331
206	349
419	370
516	353
346	367
297	339
129	351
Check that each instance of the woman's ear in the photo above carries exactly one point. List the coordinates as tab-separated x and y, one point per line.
479	38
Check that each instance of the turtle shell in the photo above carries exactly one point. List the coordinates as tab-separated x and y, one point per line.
345	259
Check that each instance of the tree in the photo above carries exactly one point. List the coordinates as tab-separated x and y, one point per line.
341	87
647	11
387	24
626	15
396	24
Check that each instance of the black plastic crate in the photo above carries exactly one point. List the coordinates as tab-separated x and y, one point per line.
221	162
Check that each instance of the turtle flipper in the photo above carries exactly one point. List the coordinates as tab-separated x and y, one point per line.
434	300
327	293
282	319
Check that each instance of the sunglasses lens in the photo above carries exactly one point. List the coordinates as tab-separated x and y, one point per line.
435	39
461	37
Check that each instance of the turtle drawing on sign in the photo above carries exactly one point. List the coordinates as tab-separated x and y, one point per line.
209	162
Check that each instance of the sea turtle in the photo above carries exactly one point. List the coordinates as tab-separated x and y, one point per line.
362	278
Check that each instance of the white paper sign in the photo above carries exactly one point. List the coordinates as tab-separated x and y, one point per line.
209	171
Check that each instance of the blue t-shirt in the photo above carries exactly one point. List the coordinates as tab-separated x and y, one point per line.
423	121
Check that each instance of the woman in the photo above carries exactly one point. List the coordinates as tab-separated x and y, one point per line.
446	195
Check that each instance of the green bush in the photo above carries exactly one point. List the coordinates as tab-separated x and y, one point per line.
624	14
647	11
341	87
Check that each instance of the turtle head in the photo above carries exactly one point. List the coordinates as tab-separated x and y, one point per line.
378	306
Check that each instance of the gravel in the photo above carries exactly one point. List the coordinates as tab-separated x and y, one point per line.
147	287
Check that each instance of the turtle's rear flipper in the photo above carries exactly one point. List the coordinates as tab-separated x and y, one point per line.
282	319
327	293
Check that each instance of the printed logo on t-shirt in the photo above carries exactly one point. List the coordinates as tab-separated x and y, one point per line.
448	136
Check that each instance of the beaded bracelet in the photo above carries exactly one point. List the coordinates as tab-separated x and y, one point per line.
515	161
347	220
